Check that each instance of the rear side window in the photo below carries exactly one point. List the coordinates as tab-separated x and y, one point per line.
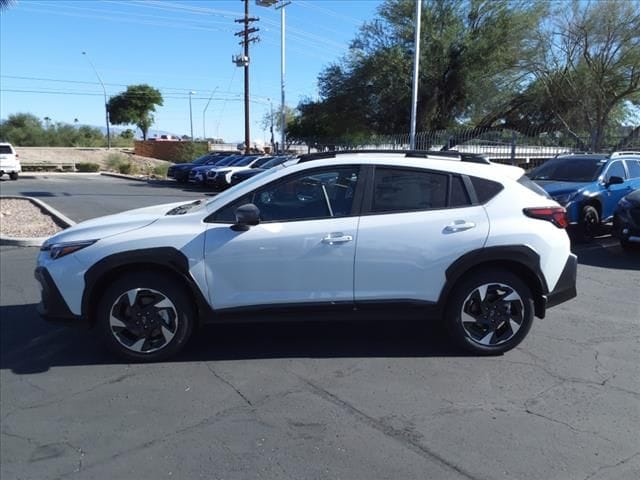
533	186
398	190
5	149
634	168
485	189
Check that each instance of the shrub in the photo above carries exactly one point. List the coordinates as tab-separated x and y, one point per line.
188	151
160	170
114	160
87	167
127	168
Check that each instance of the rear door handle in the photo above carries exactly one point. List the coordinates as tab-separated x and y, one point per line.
459	226
335	238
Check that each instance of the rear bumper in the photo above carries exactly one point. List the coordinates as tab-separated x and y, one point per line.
566	287
52	306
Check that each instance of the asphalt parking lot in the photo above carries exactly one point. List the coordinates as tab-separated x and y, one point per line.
313	401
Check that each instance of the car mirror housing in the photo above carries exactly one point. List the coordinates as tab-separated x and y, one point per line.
246	215
614	180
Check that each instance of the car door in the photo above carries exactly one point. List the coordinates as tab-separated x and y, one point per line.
414	224
613	193
303	249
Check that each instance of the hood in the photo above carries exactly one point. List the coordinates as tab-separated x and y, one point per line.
103	227
555	188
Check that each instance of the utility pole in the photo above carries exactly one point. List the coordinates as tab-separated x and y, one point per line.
416	70
106	103
243	60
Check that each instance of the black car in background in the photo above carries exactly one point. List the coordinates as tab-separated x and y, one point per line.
180	171
626	220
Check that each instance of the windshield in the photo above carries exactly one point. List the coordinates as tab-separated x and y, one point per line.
201	160
247	183
569	169
261	161
243	162
226	161
273	162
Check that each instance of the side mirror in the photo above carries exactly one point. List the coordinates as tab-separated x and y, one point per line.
246	215
614	181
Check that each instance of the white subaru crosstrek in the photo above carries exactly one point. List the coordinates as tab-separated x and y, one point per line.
337	235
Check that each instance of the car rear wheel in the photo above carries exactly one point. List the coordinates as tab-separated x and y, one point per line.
490	312
145	317
13	176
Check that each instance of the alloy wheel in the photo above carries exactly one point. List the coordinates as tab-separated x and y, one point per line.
143	320
492	314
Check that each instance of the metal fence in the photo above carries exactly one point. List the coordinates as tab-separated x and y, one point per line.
527	150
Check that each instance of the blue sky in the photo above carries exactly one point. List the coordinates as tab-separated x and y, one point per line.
174	46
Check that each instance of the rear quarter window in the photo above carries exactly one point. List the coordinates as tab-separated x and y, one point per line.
485	189
6	150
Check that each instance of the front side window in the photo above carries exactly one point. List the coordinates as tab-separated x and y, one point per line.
616	170
399	190
325	193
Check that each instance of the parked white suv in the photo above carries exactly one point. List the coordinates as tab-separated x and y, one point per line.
339	236
9	163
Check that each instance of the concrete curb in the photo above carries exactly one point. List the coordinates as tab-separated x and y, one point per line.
123	176
59	217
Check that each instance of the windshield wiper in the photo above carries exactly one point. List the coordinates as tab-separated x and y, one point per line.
182	209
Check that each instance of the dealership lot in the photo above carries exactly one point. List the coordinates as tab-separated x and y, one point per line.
390	400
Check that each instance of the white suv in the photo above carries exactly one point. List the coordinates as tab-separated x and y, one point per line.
9	163
337	235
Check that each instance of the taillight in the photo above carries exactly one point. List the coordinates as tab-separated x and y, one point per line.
555	215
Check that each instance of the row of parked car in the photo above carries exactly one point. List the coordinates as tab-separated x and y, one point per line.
220	170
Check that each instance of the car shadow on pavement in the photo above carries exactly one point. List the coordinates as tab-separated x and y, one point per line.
31	345
607	254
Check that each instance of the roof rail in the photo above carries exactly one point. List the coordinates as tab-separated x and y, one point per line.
625	153
448	154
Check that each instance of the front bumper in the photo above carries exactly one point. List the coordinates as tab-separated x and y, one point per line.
219	182
52	306
566	287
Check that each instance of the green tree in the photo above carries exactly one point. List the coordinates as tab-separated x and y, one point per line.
127	134
587	63
471	65
135	106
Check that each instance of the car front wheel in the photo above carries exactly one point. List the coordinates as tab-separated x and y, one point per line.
490	312
145	317
589	223
13	176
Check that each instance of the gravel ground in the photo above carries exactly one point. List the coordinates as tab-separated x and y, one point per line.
22	219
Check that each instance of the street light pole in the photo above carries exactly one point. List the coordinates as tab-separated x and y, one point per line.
416	69
204	131
106	104
191	114
282	76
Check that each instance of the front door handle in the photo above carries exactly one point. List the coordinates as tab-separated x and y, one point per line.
335	238
459	226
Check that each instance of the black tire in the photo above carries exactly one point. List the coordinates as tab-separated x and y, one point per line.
13	176
589	225
465	298
178	319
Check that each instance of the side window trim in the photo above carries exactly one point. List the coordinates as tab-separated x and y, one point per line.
355	207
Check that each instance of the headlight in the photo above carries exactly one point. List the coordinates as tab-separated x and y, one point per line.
57	250
563	199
